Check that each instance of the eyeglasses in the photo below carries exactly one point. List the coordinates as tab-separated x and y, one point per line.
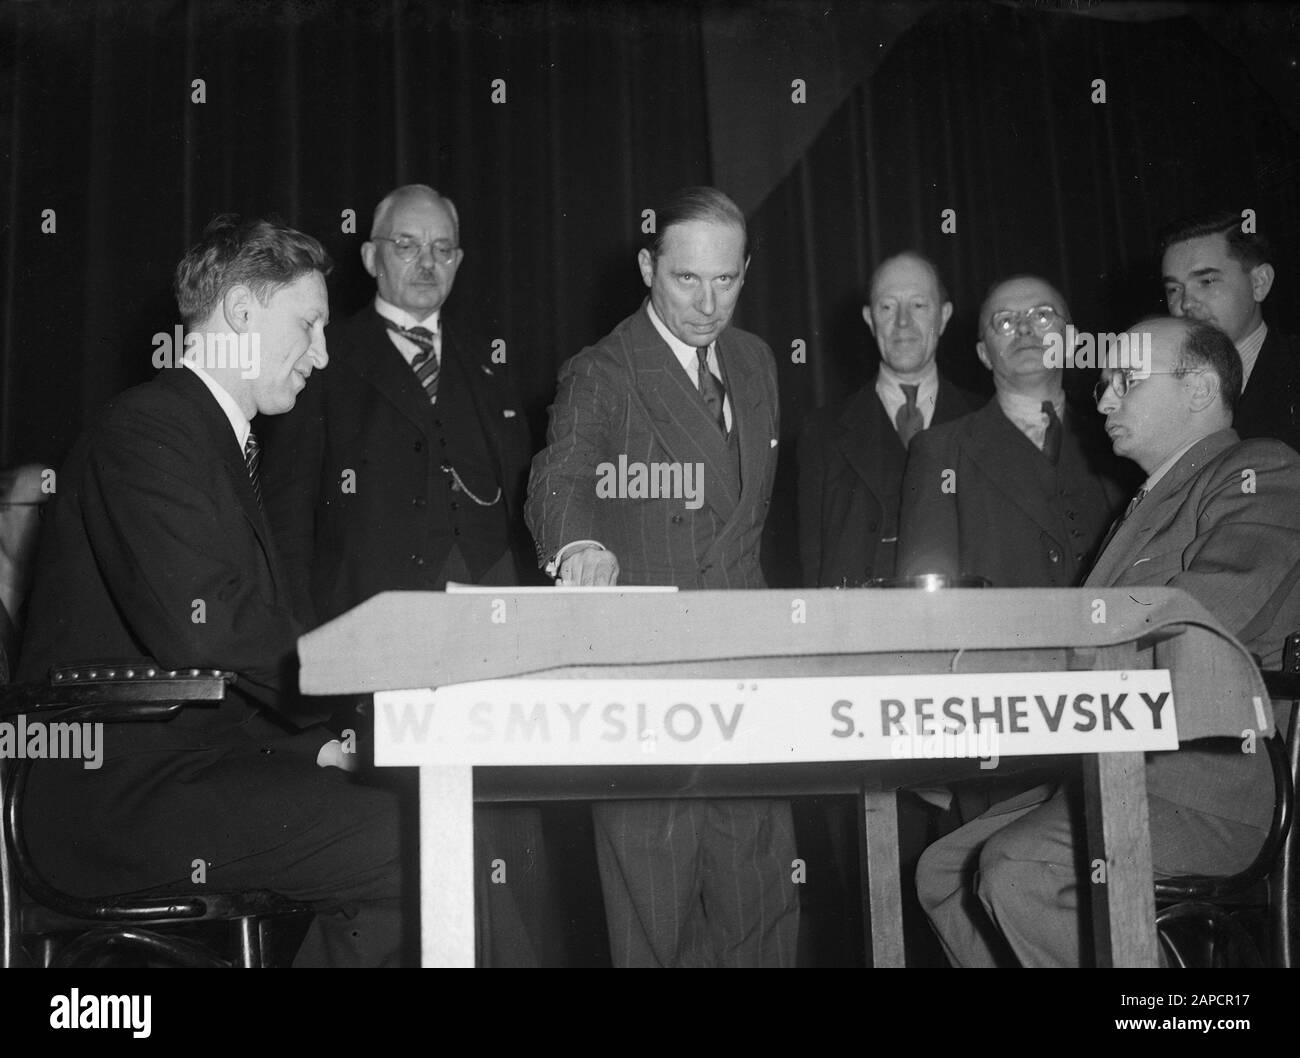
409	249
1122	381
1041	318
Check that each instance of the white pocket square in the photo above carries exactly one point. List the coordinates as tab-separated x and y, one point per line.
507	413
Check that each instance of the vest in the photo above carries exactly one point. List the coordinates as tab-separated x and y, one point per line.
465	473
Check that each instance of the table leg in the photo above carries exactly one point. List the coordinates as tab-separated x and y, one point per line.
883	879
1119	860
447	866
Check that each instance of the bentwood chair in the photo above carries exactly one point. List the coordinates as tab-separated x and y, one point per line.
49	927
1249	917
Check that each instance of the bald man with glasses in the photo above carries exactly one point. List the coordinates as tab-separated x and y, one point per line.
1006	888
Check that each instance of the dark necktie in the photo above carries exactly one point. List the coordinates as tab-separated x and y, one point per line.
711	388
909	421
1114	528
425	364
1052	435
1132	504
253	460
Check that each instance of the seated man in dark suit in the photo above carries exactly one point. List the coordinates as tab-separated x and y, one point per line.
852	455
156	545
1216	273
1021	491
1193	525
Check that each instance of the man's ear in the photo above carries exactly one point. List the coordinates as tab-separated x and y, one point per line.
237	306
945	314
368	257
1204	390
1261	281
983	354
866	315
647	265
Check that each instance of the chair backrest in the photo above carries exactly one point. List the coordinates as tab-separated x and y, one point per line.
1284	687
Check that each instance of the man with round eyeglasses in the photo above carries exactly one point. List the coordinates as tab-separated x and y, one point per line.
1022	490
1219	518
404	470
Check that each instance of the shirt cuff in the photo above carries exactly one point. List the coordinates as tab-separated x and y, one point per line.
552	568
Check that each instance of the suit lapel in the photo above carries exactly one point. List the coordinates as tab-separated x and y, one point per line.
679	417
749	418
475	372
1006	456
379	363
1132	534
1268	395
951	403
225	448
867	439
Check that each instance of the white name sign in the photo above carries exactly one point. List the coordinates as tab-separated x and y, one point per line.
729	721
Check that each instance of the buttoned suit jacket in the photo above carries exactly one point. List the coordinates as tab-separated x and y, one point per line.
972	502
660	861
367	413
846	451
155	547
1270	404
1223	524
629	396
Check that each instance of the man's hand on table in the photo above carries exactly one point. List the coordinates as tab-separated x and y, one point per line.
589	567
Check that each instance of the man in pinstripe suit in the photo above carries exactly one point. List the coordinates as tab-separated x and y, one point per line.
672	392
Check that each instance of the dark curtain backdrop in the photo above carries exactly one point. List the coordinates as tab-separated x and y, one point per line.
320	106
313	109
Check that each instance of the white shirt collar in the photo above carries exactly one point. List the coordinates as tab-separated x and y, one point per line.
1026	413
1020	408
889	388
1248	349
690	361
685	353
238	420
404	319
1167	465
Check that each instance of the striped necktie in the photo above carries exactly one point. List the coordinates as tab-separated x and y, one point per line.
253	460
425	365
